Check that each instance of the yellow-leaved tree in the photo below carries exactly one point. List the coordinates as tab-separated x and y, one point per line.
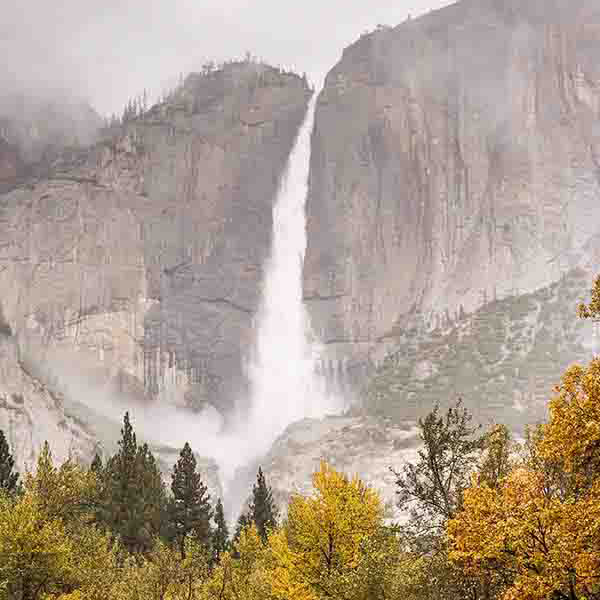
243	576
333	544
536	530
48	548
163	574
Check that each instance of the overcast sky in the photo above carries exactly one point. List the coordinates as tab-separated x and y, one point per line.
110	50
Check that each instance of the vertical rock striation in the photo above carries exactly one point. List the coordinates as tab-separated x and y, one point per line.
135	264
455	163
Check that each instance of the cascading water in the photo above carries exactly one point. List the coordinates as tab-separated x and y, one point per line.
285	386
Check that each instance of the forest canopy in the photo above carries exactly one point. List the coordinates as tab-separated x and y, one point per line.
486	518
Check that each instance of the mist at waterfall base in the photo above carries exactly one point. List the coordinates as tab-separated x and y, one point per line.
284	383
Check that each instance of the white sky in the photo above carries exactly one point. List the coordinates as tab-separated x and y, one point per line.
110	50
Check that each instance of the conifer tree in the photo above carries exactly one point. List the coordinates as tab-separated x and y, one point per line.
96	465
263	511
9	478
220	540
190	510
134	495
242	522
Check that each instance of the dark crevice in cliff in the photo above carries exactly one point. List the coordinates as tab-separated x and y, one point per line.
323	298
347	341
226	302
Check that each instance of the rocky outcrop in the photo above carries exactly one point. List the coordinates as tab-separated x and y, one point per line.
454	164
137	263
30	414
363	446
503	360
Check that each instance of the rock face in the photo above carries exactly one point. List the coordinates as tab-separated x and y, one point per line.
455	163
453	223
503	360
30	414
363	446
137	263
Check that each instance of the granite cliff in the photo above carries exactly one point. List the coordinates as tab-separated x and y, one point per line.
453	224
455	166
135	264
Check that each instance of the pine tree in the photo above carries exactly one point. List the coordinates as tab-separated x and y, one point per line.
220	539
243	521
133	496
96	465
190	510
263	511
9	479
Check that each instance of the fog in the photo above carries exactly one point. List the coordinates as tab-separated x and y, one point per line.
284	383
110	51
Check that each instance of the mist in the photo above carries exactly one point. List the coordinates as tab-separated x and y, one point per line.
109	52
285	386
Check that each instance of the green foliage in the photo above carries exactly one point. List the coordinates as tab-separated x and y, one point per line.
220	537
591	310
35	554
68	492
9	478
133	499
484	523
241	575
497	461
48	547
96	465
163	574
189	511
432	488
263	512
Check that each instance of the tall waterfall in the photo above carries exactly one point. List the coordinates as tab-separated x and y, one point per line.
285	386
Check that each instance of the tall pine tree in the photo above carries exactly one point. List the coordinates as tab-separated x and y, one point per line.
242	522
220	538
263	511
190	510
96	465
9	478
134	496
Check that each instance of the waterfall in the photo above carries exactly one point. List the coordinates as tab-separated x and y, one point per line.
282	368
284	381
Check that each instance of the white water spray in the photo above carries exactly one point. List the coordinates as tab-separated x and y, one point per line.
285	386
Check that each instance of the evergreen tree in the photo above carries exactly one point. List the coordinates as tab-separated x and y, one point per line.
134	495
190	510
220	539
96	465
9	479
263	511
243	521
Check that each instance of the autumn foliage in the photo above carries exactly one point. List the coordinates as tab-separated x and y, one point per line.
537	533
487	519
